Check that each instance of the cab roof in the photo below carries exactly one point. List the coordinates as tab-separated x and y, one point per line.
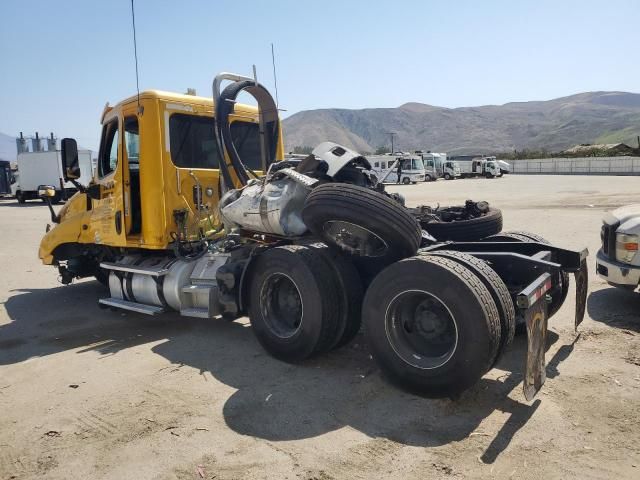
183	99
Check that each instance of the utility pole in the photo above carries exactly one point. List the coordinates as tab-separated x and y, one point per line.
392	134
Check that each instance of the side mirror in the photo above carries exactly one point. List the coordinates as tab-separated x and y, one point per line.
70	162
46	191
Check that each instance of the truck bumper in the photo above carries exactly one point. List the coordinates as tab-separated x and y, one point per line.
616	273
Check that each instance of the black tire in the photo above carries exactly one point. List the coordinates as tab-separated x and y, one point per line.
423	357
565	281
350	296
392	233
467	230
292	328
406	181
428	178
20	197
499	293
447	176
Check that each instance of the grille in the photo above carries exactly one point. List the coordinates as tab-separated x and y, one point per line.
609	239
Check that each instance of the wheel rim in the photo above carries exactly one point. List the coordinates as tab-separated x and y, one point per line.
421	329
355	239
281	305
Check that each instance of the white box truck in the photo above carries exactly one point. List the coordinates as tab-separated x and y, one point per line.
45	168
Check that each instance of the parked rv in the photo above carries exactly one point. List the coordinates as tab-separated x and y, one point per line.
386	168
45	168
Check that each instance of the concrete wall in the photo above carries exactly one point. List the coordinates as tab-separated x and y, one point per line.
578	166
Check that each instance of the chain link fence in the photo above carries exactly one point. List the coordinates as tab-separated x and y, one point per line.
578	166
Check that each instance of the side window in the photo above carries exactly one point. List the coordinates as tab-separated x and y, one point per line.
193	141
246	138
108	160
132	140
376	165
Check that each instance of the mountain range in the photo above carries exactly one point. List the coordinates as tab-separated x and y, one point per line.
554	125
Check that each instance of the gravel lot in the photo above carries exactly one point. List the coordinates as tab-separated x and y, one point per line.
89	393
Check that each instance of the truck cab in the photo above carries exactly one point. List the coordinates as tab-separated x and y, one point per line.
618	261
157	178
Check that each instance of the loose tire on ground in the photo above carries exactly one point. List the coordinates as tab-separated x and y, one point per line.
467	230
432	325
498	290
361	222
292	302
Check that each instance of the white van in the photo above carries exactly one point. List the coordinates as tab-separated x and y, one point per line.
386	168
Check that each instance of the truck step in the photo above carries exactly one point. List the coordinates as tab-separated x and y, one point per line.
154	272
131	306
195	312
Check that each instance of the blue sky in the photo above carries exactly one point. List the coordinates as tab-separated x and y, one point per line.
60	61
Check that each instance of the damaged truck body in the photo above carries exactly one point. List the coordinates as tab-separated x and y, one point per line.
193	209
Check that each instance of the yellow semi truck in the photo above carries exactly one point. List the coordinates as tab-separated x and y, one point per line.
194	209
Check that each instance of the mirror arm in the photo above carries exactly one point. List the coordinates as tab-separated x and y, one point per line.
81	188
54	218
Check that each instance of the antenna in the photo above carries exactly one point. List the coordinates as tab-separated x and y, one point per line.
135	54
275	78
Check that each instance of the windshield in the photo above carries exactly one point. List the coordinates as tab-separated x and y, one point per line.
418	164
491	164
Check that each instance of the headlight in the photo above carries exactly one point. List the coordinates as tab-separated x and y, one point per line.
626	247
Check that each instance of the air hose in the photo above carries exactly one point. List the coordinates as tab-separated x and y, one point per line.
268	116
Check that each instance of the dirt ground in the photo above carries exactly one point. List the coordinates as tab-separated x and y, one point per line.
89	393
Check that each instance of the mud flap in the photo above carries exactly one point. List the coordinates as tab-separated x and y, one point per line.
582	281
533	302
535	373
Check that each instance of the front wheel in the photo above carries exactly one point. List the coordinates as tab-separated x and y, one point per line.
20	197
447	176
427	178
406	181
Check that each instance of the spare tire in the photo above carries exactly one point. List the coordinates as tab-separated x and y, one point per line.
467	230
361	222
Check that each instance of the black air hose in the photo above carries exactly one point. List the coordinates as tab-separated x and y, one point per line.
268	115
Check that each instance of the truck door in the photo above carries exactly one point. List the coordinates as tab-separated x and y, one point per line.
108	211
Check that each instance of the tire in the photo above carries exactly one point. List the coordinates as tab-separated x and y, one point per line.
406	181
20	197
498	290
444	363
447	176
428	178
390	232
296	326
350	296
467	230
565	281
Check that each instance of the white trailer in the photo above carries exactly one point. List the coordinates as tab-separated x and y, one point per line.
45	168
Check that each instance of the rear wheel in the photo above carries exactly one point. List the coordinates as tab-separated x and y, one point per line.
293	308
350	296
20	197
432	325
498	290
